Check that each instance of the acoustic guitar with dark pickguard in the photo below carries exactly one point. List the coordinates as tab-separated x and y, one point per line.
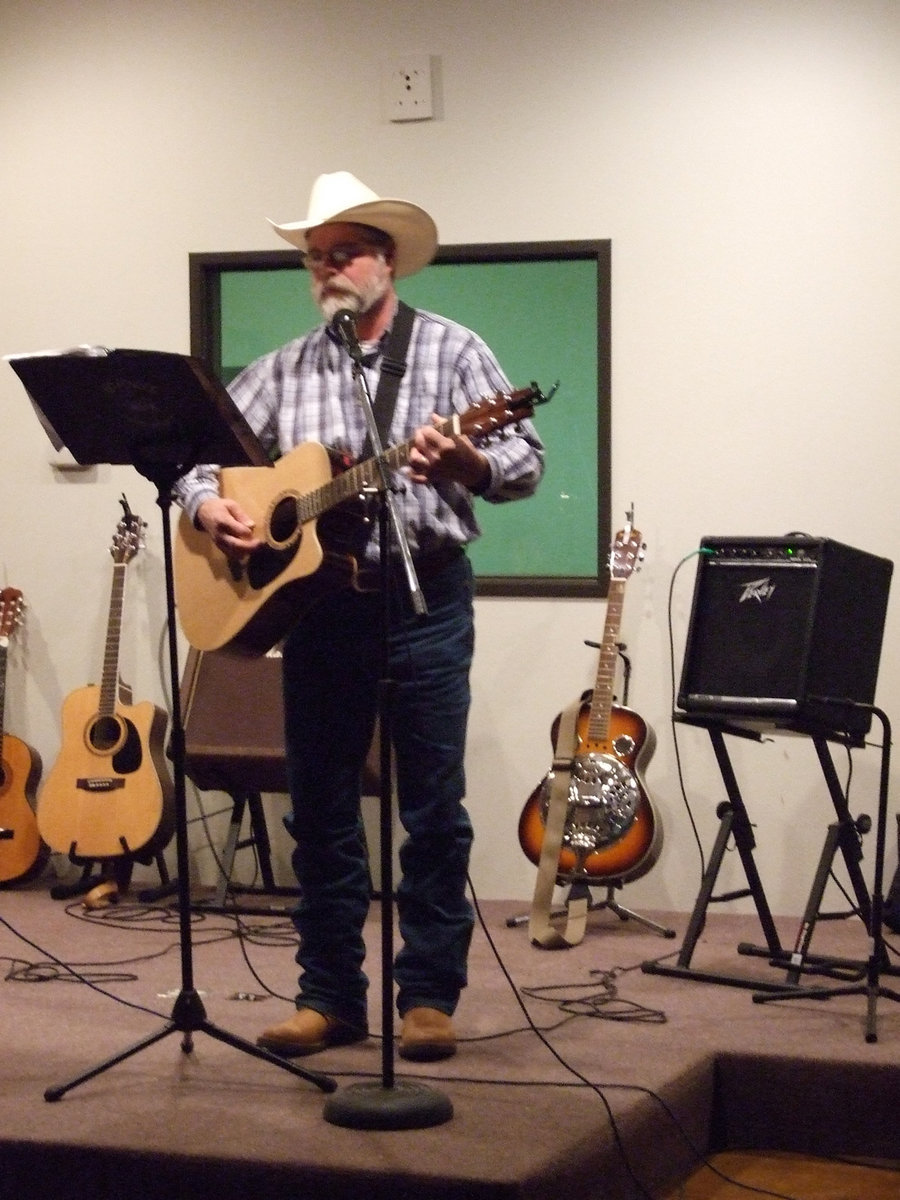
22	852
611	832
108	795
251	605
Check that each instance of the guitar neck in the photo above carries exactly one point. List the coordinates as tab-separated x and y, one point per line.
350	484
4	644
110	674
601	702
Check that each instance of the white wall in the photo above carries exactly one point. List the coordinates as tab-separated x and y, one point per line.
741	156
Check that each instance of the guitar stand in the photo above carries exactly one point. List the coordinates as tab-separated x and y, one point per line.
117	871
160	413
624	914
735	822
580	889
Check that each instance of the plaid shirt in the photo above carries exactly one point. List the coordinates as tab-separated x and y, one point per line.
305	391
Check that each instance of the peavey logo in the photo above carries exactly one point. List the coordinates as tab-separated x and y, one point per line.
759	590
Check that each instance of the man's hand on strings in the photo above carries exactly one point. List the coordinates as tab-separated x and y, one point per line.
433	457
229	527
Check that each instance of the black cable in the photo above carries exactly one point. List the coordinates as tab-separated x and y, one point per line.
598	1088
673	697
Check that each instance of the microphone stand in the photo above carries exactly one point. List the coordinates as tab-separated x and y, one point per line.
388	1103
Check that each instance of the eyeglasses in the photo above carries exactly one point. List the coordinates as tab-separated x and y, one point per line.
338	256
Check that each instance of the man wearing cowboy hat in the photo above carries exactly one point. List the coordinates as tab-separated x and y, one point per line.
355	245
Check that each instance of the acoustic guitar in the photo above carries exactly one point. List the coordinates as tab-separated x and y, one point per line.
611	833
22	852
108	795
251	605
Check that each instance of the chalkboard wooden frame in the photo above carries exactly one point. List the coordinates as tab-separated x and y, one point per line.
570	332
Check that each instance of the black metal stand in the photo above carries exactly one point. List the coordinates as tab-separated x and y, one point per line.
389	1103
161	414
581	889
118	872
872	988
735	822
227	894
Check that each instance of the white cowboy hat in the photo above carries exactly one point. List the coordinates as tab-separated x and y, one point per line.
340	196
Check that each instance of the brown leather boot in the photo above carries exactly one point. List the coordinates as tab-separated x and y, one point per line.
308	1032
427	1035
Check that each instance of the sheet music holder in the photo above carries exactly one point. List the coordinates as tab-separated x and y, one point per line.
161	413
145	408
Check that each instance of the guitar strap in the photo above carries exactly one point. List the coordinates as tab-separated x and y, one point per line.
541	927
393	368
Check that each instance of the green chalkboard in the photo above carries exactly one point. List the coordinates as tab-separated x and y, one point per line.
544	308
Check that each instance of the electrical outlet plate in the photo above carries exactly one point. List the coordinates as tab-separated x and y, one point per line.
409	89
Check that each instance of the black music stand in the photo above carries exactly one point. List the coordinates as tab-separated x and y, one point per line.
161	413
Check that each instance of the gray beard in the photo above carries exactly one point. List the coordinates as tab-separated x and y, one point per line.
357	302
333	303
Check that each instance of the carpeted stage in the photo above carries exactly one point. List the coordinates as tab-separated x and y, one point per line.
636	1076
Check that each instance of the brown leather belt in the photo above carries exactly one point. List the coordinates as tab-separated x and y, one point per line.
428	566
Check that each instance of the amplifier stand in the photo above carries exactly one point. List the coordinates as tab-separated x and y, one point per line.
734	822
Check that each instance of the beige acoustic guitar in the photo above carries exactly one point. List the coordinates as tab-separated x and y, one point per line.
109	795
22	853
250	606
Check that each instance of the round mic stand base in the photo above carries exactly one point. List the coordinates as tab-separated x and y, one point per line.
406	1104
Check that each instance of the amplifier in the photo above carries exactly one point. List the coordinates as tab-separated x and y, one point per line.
786	627
233	721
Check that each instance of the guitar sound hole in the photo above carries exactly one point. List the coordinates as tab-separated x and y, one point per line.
624	745
283	522
106	733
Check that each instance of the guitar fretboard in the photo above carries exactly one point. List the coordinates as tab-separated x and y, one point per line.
353	482
601	702
4	643
491	414
110	674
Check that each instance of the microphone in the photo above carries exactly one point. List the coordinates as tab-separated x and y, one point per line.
343	323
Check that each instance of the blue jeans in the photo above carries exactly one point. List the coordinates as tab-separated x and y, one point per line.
332	668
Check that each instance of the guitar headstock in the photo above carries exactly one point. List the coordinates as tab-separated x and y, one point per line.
12	605
504	408
129	536
627	551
